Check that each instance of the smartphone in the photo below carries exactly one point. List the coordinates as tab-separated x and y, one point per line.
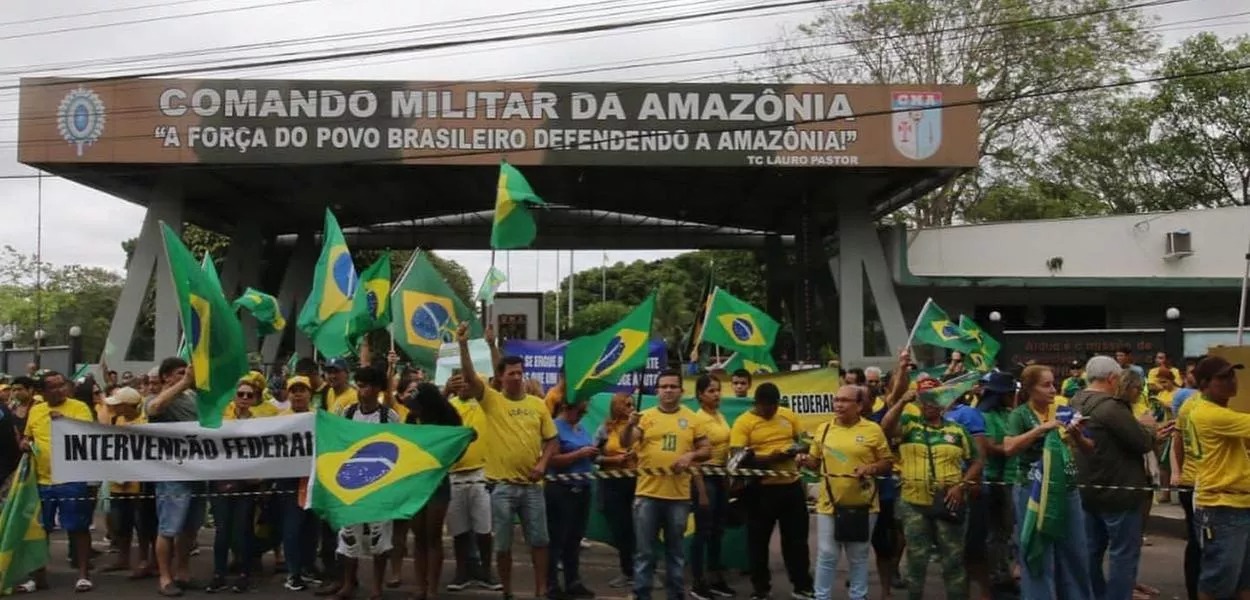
455	372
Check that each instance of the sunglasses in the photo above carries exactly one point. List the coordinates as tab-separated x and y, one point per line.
245	394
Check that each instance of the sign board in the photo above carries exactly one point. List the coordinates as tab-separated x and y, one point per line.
231	121
1059	349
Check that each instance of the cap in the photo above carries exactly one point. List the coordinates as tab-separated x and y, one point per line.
1213	366
336	364
298	380
927	384
1076	364
124	395
998	382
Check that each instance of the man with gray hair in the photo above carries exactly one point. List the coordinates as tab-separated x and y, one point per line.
1113	509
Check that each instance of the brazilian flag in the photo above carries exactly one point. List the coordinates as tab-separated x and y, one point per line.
369	472
427	312
514	225
371	307
264	308
23	542
593	363
734	324
324	316
933	327
213	334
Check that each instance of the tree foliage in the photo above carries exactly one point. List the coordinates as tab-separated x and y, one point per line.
66	296
1022	54
680	283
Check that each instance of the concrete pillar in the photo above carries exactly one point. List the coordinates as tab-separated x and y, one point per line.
241	270
148	261
296	284
860	255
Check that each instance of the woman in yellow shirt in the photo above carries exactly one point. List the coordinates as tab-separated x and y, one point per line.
616	495
129	511
711	498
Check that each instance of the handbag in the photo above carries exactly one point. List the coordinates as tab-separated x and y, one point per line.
937	508
851	523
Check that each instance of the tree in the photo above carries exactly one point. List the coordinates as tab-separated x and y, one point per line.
596	317
1016	52
66	296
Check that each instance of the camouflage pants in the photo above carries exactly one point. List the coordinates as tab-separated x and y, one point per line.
923	534
1001	550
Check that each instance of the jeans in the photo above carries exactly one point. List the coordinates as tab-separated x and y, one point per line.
651	517
1193	548
1065	563
616	502
232	517
1225	535
827	550
300	529
510	501
568	511
709	527
1117	535
786	506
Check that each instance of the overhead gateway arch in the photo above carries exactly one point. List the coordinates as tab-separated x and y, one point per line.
260	160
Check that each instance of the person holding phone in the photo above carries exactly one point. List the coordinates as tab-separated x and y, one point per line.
771	433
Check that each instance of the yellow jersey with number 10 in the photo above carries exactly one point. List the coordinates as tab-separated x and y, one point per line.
665	437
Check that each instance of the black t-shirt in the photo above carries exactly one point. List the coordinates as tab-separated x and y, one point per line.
10	452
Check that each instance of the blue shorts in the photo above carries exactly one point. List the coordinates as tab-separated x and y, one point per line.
72	502
508	501
179	507
1224	534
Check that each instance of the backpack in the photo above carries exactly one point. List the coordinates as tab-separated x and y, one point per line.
350	413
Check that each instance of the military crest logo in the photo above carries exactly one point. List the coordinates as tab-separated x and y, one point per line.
916	123
80	118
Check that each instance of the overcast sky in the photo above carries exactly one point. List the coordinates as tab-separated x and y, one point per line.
86	227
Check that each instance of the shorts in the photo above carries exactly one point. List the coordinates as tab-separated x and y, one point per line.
509	501
72	502
469	509
885	532
179	507
379	539
1225	539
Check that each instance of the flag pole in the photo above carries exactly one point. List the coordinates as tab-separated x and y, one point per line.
1241	313
488	309
916	325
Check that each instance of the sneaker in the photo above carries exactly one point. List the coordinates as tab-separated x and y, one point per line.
722	589
621	581
759	596
240	585
585	544
459	584
802	595
487	582
295	583
578	591
216	584
311	576
701	591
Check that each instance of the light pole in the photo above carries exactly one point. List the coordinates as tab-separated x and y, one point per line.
75	348
996	331
38	345
1173	335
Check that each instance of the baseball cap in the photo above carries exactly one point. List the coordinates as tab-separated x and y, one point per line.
998	382
927	383
336	364
1076	364
1213	366
298	380
124	395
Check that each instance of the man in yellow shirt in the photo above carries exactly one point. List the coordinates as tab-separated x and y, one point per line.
341	394
71	501
666	436
771	433
521	438
469	512
1221	481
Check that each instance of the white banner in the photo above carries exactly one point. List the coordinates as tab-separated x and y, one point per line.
266	448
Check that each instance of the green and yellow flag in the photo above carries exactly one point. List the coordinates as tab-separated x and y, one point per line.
369	472
593	363
427	312
736	325
514	225
23	542
981	359
755	365
213	334
935	328
490	284
948	392
264	308
1046	513
371	307
325	314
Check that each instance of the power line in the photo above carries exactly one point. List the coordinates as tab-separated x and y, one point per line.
31	34
100	12
1006	24
715	130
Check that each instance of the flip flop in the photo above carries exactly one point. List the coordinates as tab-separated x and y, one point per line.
83	585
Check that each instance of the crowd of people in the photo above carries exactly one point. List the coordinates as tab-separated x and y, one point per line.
895	472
